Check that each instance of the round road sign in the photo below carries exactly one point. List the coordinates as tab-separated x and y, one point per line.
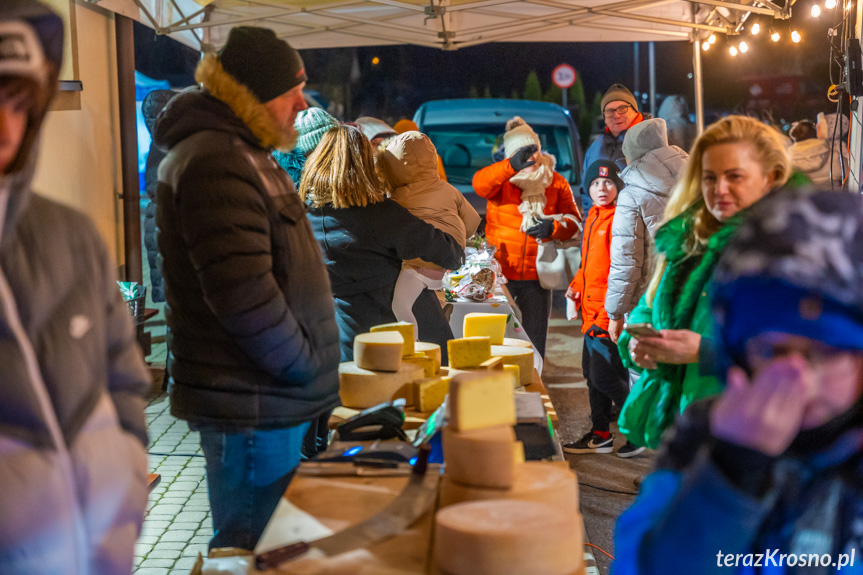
563	76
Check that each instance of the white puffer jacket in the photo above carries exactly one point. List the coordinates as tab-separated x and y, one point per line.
653	171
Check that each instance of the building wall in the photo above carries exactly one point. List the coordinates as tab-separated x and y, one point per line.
79	161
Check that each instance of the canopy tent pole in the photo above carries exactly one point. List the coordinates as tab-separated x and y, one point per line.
129	191
698	82
652	68
636	70
856	152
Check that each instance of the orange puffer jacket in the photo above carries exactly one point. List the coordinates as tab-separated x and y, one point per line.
591	281
516	250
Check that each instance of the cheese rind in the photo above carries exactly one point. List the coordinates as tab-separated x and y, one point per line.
362	388
515	342
481	399
520	356
404	328
468	352
534	481
507	538
492	325
480	457
429	393
378	351
431	350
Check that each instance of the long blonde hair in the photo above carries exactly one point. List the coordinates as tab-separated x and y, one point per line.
341	171
687	193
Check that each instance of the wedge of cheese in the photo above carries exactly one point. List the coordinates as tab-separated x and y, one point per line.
515	342
405	329
481	399
467	352
482	457
379	351
424	361
534	481
507	538
492	325
520	356
429	393
362	388
431	350
516	374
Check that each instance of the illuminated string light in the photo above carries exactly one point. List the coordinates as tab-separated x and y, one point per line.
756	28
712	39
796	37
816	11
829	4
744	47
705	46
732	51
775	36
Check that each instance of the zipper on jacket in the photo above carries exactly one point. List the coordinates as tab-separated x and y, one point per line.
80	562
587	250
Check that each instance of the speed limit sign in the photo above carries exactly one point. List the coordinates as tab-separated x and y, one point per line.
563	76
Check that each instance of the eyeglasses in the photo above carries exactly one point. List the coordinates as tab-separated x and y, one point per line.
621	110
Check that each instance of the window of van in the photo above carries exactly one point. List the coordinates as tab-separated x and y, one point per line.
467	148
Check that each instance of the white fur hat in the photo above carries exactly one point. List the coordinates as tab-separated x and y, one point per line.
518	135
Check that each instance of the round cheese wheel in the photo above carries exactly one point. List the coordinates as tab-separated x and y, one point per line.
534	481
520	356
515	342
361	388
499	537
482	457
431	350
379	351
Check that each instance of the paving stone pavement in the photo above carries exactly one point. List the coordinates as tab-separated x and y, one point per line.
178	524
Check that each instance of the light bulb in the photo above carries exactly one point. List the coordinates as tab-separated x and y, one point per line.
756	28
829	4
705	46
816	11
732	51
795	36
775	36
744	47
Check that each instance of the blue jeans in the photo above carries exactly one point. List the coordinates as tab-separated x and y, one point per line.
247	474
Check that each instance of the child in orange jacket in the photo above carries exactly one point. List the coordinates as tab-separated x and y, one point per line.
607	379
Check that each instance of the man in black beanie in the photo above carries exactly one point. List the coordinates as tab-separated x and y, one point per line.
255	350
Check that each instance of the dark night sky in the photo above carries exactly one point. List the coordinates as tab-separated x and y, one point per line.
410	75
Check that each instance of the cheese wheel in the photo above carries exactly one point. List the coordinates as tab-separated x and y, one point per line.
516	374
481	399
379	351
520	356
404	328
492	325
481	457
507	538
515	342
361	388
534	481
468	351
431	350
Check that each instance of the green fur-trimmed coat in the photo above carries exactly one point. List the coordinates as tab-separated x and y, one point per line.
682	301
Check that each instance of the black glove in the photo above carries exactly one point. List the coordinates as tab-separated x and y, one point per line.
521	158
542	230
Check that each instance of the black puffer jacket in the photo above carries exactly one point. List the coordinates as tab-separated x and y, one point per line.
255	341
151	107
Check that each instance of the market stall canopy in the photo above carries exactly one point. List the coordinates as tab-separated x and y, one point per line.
445	24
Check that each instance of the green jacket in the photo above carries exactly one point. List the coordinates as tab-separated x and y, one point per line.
681	302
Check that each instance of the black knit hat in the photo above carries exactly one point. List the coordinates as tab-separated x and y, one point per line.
602	169
262	62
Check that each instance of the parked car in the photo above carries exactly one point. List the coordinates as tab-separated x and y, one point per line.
467	132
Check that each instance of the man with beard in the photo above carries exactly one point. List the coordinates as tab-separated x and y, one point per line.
255	345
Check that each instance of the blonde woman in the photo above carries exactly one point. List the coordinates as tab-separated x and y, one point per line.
735	163
365	236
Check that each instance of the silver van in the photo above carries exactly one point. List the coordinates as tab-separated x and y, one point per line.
467	132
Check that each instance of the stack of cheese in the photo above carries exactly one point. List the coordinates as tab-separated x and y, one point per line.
489	495
512	352
389	364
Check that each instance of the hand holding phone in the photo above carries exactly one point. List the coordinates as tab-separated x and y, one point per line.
641	330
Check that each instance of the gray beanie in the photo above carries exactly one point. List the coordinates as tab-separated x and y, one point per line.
644	136
619	92
311	125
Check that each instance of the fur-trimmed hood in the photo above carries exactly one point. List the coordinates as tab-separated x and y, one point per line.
222	104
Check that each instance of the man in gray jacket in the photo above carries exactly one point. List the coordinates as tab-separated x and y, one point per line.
73	465
653	170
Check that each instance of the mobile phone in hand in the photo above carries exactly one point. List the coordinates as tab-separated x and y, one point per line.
641	330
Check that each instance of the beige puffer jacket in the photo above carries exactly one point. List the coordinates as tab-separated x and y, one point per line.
410	164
